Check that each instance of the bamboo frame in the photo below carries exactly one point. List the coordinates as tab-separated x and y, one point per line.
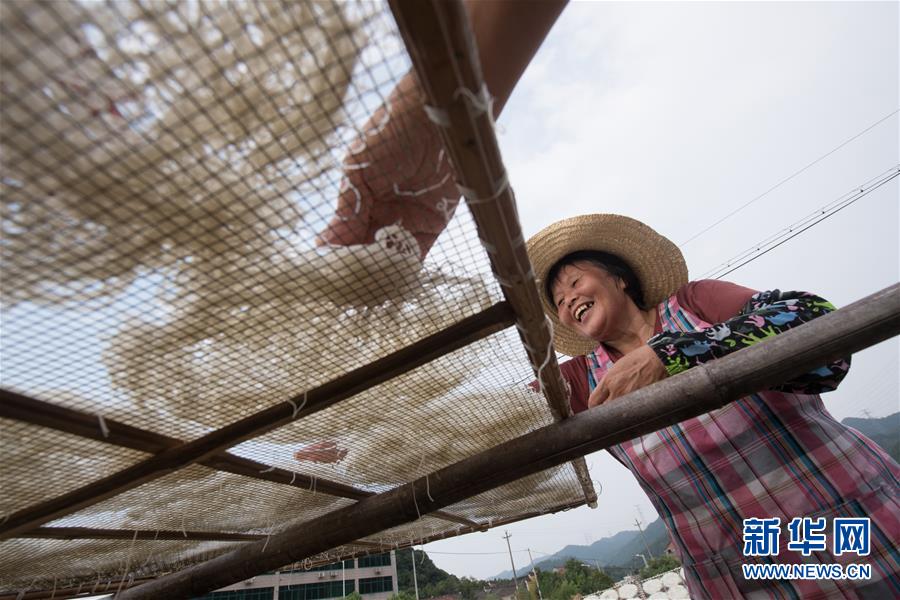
699	390
471	329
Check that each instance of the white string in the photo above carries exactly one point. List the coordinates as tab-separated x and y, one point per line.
489	247
127	564
150	555
422	191
345	184
549	352
446	206
21	593
183	529
436	115
472	196
384	121
295	407
293	476
103	428
415	503
268	536
483	102
428	489
312	484
270	469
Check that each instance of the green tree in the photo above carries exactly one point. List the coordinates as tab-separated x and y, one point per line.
469	588
658	565
576	578
548	581
432	581
585	578
565	591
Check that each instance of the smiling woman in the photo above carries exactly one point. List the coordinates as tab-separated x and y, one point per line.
598	303
634	319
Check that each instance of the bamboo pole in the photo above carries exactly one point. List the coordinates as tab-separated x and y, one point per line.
471	329
694	392
88	533
445	58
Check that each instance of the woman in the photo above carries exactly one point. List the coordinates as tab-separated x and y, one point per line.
619	298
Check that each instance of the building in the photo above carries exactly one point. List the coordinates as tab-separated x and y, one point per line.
373	577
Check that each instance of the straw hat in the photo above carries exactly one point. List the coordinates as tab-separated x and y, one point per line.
657	262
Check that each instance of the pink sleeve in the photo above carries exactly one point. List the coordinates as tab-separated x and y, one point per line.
574	371
712	300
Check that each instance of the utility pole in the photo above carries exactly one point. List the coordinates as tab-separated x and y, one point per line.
415	581
536	581
515	580
641	529
646	547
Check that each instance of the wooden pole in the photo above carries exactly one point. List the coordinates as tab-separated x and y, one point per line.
694	392
445	58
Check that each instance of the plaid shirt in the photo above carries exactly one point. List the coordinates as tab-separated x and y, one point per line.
772	454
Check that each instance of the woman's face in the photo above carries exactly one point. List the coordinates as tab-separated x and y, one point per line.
591	301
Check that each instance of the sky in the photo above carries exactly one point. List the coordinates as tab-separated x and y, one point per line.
678	114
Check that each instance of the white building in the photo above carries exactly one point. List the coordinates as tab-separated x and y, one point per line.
374	577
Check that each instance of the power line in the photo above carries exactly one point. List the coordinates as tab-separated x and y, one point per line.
773	241
789	177
474	553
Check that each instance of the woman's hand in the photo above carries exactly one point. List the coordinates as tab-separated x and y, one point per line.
404	147
637	369
396	172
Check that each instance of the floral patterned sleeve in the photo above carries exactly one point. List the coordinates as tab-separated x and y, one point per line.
766	314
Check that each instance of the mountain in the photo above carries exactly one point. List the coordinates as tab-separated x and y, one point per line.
616	551
884	431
